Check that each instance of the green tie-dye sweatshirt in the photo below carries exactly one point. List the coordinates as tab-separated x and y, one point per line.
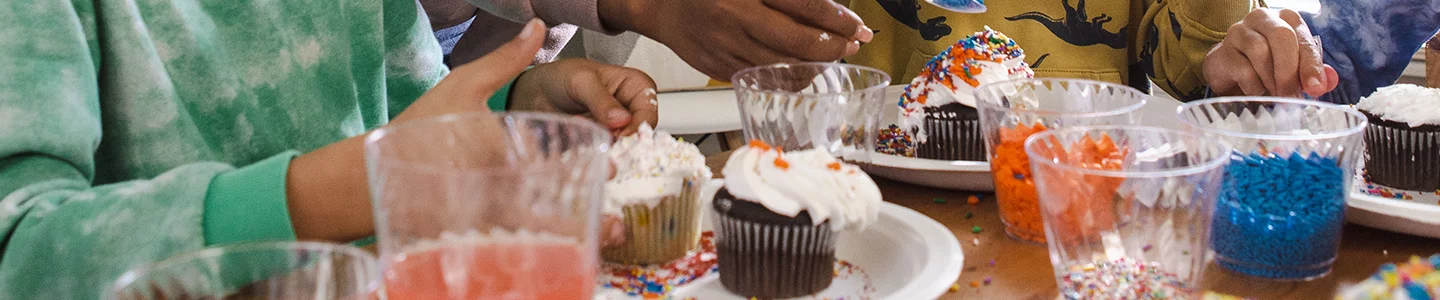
133	130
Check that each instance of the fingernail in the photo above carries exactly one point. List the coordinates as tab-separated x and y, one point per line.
529	28
1312	82
618	117
864	34
852	48
648	92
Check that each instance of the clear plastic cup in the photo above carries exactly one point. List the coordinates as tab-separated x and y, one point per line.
1127	209
1011	111
482	206
289	271
1282	205
831	106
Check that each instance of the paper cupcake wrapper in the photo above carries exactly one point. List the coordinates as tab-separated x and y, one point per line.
660	234
1403	159
774	261
952	140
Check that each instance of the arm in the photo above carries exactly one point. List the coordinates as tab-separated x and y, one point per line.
583	13
446	13
1370	43
63	237
1174	36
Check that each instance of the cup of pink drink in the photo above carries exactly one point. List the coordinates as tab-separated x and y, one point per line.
488	206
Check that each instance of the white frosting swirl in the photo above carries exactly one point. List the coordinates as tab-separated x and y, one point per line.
651	165
809	180
912	115
1405	103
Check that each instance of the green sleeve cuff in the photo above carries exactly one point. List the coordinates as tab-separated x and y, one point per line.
248	204
501	98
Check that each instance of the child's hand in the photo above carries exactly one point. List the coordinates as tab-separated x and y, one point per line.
1272	53
720	37
618	98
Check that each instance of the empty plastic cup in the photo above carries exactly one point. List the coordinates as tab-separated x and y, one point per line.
278	271
488	206
1282	205
1127	209
831	106
1011	111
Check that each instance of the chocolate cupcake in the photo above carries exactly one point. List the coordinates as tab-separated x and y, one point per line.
778	218
954	134
1403	138
657	191
939	104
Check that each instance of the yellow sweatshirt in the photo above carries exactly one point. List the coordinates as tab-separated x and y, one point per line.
1109	40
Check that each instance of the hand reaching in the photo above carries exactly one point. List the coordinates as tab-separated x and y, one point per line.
618	98
720	37
1271	52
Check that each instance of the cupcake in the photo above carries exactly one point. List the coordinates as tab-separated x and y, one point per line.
778	216
1417	279
939	104
658	191
1403	139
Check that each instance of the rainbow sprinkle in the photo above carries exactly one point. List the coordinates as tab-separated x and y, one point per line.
658	281
1373	189
1419	278
895	141
1120	279
988	45
654	282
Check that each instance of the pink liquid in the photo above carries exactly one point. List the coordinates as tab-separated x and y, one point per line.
538	270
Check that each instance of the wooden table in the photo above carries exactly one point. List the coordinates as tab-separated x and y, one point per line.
1022	270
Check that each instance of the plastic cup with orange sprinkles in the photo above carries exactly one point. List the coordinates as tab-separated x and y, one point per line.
1011	111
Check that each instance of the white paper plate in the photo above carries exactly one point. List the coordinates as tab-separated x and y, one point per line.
974	175
905	255
1394	215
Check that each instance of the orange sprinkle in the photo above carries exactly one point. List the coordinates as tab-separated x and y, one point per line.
975	284
973	200
782	164
834	166
759	144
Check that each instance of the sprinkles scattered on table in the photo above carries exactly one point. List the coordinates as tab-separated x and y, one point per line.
895	141
656	281
1122	279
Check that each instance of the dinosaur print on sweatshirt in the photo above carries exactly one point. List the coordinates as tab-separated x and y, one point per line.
1076	27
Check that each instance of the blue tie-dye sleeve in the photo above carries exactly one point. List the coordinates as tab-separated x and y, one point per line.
1370	42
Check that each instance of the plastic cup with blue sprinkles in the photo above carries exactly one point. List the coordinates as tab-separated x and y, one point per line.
1125	206
1282	203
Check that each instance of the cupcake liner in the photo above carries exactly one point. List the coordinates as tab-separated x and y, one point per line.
774	261
660	234
952	140
1402	158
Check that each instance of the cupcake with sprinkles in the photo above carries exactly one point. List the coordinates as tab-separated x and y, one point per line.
1418	279
778	216
938	107
1403	142
658	190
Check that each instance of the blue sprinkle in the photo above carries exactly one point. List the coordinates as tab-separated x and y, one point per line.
1279	217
